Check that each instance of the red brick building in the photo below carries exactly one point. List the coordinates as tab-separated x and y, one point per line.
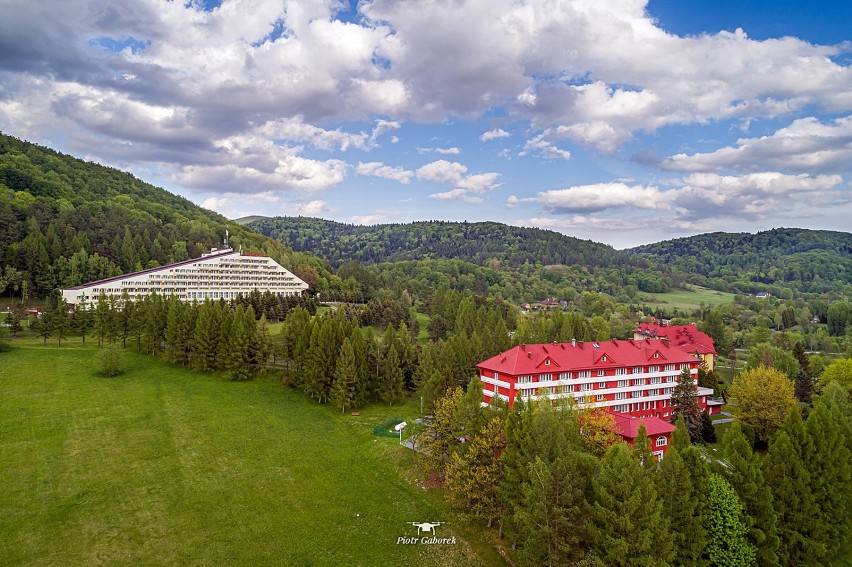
632	377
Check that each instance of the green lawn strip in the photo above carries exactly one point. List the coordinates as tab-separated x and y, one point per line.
161	465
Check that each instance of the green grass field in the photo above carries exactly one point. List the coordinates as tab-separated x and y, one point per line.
687	299
164	466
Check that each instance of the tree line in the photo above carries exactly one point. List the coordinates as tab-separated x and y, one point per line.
557	497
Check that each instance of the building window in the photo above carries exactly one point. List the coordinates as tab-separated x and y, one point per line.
621	395
684	366
661	441
585	374
564	375
670	367
600	397
622	383
601	373
547	362
620	371
545	377
601	385
524	379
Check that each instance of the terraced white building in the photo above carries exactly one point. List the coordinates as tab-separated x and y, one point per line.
218	274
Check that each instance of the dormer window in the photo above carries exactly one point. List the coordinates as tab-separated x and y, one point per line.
603	358
547	362
656	355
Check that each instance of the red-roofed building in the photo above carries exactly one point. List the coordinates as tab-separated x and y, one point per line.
626	376
658	431
685	337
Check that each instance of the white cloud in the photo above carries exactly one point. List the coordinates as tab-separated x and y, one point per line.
369	219
806	144
602	196
456	195
494	134
479	182
443	151
540	146
442	171
378	169
309	209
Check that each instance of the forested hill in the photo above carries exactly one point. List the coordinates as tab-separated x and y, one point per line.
481	243
795	258
66	221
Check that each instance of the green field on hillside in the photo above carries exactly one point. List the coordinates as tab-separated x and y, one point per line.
687	299
164	466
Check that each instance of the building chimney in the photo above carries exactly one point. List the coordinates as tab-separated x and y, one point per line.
573	342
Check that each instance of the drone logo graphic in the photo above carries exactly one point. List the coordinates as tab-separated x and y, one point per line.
426	527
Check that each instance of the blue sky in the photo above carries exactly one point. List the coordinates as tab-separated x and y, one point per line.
619	121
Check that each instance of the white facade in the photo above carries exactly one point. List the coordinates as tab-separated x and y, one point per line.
219	274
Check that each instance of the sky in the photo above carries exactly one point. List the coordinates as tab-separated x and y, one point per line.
619	121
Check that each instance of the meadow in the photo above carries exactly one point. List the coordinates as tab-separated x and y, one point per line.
687	299
164	466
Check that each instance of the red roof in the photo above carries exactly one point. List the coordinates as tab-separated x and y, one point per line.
685	337
628	426
567	357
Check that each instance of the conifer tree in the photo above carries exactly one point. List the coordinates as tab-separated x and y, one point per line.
515	461
226	322
237	357
628	526
552	517
125	317
344	387
61	321
745	474
362	369
829	463
472	476
642	449
101	318
82	319
680	505
204	344
726	531
790	482
392	381
440	439
685	403
176	340
263	344
470	413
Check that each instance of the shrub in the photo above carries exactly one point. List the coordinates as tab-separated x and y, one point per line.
110	361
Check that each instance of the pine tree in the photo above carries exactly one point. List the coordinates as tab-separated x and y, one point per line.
263	344
552	515
744	472
60	321
471	414
82	319
642	449
726	532
176	340
237	358
226	323
628	526
204	344
472	476
392	381
685	403
829	463
790	482
101	318
343	389
440	438
680	505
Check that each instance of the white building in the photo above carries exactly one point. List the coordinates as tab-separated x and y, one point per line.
218	274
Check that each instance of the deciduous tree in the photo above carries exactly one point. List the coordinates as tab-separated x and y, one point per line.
764	396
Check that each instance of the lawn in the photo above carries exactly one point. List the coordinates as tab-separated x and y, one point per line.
687	299
164	466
